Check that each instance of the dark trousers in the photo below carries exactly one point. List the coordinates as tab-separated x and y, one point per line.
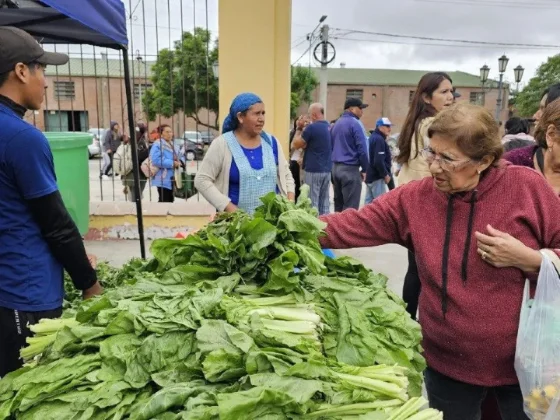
347	183
461	401
412	287
296	173
165	195
14	331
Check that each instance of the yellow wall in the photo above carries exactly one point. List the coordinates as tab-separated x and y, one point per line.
255	37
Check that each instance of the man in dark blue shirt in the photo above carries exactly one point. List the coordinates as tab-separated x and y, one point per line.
380	160
349	156
317	159
38	239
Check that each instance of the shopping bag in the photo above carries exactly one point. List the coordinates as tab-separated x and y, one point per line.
537	358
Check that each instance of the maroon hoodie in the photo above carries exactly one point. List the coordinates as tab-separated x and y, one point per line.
469	310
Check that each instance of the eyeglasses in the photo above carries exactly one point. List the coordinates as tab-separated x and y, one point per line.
445	163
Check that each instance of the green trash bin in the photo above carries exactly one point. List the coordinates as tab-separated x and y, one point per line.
70	153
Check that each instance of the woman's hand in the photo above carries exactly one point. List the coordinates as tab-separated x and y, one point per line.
230	208
501	250
177	164
301	122
292	197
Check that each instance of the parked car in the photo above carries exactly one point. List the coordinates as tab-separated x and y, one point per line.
94	149
194	136
207	137
190	150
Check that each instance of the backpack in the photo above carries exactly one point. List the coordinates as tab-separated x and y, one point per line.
122	159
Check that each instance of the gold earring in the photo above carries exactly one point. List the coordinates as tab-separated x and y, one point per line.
479	171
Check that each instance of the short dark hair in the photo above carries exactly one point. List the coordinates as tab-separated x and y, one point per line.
516	125
4	76
553	93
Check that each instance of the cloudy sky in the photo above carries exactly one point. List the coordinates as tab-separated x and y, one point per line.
488	29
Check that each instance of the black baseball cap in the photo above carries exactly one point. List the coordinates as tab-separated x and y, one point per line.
17	46
350	102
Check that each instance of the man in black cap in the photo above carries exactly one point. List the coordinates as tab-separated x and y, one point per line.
350	156
38	239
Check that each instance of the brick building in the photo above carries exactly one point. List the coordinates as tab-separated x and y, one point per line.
89	93
389	92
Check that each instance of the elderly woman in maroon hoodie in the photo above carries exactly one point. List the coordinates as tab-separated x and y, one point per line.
471	288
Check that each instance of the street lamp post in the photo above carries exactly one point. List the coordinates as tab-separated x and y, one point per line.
518	73
216	69
484	73
140	85
502	65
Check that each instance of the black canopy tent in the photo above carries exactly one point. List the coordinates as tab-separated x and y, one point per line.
94	22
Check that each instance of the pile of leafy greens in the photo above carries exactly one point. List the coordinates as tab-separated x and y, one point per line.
246	319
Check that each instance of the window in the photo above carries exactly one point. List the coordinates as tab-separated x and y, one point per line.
140	89
477	98
411	96
64	90
355	93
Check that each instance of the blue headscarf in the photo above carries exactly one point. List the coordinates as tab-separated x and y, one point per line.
241	103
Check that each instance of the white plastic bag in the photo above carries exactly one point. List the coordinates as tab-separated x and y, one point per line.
537	359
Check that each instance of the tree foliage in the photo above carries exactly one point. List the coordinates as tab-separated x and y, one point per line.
304	82
527	102
182	79
179	81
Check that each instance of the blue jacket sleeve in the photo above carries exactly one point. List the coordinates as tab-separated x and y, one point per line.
379	156
159	158
360	140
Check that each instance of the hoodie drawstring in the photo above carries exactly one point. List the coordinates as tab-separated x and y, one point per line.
464	265
445	257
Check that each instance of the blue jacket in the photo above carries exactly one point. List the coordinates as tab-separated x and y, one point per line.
162	155
349	142
379	157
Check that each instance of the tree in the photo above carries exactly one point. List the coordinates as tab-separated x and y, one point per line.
179	79
304	82
527	102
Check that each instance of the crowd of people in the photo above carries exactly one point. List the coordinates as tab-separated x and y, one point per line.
473	219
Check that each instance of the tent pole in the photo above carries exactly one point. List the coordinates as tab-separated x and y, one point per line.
134	150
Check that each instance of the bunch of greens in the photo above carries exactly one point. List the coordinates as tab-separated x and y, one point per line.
108	276
246	319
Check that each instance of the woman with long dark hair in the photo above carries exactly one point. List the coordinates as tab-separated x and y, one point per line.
433	94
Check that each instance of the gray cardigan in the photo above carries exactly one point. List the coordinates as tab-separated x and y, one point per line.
212	177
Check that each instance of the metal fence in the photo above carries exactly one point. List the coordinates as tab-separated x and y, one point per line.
173	63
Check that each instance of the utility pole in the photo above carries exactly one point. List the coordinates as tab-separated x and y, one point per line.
324	79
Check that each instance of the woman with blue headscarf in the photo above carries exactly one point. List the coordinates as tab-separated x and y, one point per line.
244	163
